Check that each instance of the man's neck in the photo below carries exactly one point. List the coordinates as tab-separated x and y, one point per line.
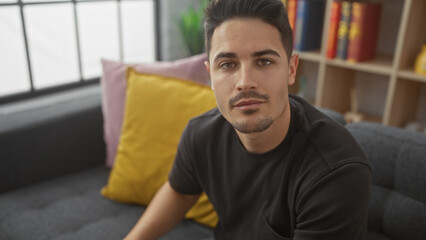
265	141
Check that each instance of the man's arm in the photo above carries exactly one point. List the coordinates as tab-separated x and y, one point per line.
165	211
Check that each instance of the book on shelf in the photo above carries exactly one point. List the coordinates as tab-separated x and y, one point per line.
309	22
333	29
343	31
285	3
291	12
363	31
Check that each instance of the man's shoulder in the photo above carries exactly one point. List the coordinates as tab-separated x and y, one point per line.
207	123
309	117
328	147
331	140
207	132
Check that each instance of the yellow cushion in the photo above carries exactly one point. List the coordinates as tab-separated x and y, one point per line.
157	110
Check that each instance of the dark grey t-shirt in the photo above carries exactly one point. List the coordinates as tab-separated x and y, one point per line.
314	185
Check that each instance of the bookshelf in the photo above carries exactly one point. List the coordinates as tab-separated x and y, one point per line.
387	88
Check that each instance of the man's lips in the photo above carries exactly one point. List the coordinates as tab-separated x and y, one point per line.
249	103
248	100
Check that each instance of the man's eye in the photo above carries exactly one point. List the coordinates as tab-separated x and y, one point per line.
227	65
264	62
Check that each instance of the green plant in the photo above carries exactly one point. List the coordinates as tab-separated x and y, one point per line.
191	28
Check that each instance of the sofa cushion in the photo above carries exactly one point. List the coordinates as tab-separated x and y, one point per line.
398	198
72	208
114	88
157	110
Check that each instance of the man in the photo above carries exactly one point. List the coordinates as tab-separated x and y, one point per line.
272	165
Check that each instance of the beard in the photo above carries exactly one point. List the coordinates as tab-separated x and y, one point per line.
260	125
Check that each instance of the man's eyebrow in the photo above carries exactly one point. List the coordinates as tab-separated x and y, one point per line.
224	55
255	54
265	52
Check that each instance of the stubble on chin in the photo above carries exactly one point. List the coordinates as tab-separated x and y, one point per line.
260	126
243	126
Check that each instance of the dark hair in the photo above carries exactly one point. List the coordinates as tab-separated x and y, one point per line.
270	11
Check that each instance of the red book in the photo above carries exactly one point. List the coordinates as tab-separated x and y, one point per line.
363	31
334	27
292	13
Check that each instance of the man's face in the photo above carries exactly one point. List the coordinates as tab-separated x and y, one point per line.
250	73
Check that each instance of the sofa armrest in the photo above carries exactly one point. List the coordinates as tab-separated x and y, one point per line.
58	135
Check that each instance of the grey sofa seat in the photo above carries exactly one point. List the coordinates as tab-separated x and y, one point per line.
398	195
71	207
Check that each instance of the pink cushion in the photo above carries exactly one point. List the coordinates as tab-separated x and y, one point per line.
113	85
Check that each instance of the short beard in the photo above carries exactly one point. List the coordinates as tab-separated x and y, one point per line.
260	126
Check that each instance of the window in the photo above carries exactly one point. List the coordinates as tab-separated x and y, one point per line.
47	45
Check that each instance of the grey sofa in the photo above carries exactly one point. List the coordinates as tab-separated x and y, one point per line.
52	169
398	196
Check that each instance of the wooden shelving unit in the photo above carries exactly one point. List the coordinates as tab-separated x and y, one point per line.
388	90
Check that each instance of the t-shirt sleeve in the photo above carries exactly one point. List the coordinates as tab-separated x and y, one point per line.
336	206
182	176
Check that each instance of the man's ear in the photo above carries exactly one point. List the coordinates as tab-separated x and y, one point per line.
207	65
292	69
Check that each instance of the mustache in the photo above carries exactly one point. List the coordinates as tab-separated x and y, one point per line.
249	94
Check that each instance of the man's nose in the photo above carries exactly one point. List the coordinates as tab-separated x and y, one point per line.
246	79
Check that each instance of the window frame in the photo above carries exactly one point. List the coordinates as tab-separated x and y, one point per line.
32	92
